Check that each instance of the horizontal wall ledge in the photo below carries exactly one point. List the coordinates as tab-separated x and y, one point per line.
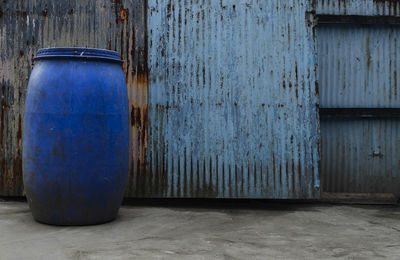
326	113
357	19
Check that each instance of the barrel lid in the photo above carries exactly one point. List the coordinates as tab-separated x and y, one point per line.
78	52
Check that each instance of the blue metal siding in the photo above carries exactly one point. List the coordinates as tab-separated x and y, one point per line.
360	156
358	67
357	7
232	100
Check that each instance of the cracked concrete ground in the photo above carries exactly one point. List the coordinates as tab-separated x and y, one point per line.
249	230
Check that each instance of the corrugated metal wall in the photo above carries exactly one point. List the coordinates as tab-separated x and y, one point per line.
358	68
230	108
357	7
26	26
359	65
360	156
233	118
232	100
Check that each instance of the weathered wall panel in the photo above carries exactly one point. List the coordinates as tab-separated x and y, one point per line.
26	26
358	68
359	65
357	7
232	100
360	156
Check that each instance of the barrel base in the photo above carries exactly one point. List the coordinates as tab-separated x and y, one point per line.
71	212
75	223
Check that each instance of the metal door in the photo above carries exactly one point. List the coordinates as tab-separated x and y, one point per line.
358	69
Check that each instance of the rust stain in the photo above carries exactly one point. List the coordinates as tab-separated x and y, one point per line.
123	16
135	116
121	13
44	12
139	112
139	120
130	40
4	108
19	132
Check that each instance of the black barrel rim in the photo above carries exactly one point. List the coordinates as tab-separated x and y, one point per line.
78	53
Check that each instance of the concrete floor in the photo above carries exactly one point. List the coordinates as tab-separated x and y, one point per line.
210	231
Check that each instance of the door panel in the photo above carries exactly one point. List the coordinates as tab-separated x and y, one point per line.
358	68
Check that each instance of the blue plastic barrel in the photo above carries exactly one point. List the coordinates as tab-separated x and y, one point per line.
76	136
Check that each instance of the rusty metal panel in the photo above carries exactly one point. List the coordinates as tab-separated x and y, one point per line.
360	156
232	100
359	65
358	7
26	26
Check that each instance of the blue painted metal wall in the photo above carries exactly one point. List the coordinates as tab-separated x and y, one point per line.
232	100
360	156
358	67
357	7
